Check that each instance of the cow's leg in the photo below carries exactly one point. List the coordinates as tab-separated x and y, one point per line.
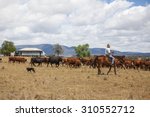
41	64
57	65
47	64
31	64
138	68
34	64
69	65
38	64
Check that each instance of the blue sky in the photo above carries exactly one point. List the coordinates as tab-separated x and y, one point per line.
140	2
136	2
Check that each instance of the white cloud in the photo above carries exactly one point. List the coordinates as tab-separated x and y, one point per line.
71	22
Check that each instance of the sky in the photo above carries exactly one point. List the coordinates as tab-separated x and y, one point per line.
124	24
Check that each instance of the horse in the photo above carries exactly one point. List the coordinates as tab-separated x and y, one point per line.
102	60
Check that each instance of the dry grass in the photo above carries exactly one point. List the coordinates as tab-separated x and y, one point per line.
65	83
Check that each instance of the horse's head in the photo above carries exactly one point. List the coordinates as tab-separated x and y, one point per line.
120	58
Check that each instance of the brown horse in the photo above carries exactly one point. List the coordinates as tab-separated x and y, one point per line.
100	61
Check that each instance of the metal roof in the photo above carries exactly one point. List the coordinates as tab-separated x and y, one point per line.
30	49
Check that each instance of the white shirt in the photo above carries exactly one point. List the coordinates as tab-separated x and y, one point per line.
107	51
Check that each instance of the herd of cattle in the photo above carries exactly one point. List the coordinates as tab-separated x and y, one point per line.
75	62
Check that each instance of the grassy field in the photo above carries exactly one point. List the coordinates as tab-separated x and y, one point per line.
71	83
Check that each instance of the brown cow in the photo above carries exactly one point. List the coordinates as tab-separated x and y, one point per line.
129	63
147	65
72	62
138	64
17	59
64	61
11	59
21	60
85	60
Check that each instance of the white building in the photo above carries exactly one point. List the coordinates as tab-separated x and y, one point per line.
30	52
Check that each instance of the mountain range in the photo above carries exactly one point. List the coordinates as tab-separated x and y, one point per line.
69	51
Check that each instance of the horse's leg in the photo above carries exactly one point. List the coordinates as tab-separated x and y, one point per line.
123	66
99	69
115	68
109	69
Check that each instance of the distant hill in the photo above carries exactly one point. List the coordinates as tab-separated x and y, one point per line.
69	51
48	49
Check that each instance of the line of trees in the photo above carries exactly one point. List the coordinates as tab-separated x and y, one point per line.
81	50
8	47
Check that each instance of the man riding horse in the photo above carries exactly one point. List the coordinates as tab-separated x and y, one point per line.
108	53
108	59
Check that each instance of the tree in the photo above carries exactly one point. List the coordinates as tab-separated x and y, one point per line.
82	50
58	49
7	47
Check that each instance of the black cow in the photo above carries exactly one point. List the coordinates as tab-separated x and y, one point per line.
54	60
36	60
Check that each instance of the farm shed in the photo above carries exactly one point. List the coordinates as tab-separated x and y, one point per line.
30	52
